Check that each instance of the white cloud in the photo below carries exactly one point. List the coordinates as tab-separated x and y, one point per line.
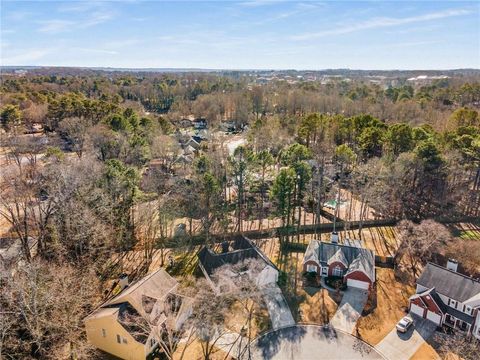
59	25
95	51
18	15
25	57
382	22
412	44
55	26
257	3
96	18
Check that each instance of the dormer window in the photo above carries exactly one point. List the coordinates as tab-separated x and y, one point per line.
452	303
468	310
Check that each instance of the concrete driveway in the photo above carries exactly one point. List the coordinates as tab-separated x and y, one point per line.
398	346
349	310
280	314
309	342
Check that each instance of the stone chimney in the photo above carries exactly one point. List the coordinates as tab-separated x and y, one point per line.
452	264
334	237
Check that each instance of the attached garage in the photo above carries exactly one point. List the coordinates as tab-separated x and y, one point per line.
358	284
433	317
417	310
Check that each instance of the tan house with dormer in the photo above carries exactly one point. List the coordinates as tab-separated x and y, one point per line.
130	325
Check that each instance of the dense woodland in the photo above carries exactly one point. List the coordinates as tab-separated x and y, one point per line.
89	168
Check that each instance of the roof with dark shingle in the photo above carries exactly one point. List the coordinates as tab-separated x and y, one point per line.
243	248
449	283
355	258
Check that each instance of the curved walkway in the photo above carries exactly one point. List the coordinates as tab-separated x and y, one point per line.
306	342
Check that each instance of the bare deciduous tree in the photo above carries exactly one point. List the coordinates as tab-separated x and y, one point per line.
418	242
44	306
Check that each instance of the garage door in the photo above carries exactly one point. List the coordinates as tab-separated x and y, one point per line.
416	310
357	283
434	317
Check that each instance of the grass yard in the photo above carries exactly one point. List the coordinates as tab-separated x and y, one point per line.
309	304
426	352
392	302
194	352
466	231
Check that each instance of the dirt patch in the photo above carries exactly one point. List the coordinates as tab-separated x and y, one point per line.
426	352
392	301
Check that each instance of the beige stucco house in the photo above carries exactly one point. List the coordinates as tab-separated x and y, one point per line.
130	325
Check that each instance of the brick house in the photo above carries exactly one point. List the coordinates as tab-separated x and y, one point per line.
448	298
354	264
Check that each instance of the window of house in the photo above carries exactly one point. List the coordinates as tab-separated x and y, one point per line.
462	325
324	271
468	310
452	303
337	271
124	340
311	268
119	339
152	342
104	333
450	320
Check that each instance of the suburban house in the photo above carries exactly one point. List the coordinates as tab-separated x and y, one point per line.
200	123
130	325
236	251
356	265
447	297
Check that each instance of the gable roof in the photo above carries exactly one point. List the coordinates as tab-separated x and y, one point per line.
244	249
449	283
338	256
311	254
433	294
155	285
443	307
355	258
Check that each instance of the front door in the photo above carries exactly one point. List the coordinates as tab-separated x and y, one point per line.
324	271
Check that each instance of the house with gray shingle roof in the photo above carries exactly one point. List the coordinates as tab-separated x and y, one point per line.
356	265
448	298
234	252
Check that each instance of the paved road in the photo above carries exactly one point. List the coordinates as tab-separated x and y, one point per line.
280	314
398	346
349	310
308	342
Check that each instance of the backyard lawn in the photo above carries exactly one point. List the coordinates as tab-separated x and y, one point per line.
392	302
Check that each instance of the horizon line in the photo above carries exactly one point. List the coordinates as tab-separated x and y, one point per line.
229	69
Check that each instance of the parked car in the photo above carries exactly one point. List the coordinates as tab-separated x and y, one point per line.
404	324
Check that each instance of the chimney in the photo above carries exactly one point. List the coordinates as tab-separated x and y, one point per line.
452	264
123	281
225	247
334	237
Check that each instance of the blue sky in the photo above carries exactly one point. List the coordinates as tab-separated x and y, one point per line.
242	35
